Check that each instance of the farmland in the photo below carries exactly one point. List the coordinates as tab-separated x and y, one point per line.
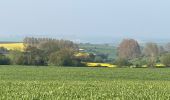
13	46
100	48
63	83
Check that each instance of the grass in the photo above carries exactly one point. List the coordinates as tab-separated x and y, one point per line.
65	83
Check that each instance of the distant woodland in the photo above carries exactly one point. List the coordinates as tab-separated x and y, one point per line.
49	51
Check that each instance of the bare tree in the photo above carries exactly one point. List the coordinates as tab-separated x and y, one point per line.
151	51
129	49
167	47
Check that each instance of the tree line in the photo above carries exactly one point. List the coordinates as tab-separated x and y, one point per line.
130	53
49	51
43	51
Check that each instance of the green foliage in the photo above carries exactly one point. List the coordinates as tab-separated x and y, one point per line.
165	59
122	62
40	51
3	50
32	56
4	60
98	59
49	47
15	57
151	61
64	57
139	62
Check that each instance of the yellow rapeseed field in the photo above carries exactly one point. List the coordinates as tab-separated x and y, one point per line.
100	65
80	54
13	46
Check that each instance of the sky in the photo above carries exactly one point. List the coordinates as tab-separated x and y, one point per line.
95	21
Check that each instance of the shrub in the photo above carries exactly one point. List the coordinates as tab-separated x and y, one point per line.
122	62
151	62
165	59
15	56
138	62
4	60
98	59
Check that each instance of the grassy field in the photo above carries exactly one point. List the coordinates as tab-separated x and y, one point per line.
100	48
66	83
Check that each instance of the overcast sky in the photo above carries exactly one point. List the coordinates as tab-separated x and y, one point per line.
85	20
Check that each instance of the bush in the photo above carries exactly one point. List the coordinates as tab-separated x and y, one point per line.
151	62
4	60
139	62
77	63
3	50
15	56
165	59
98	59
122	62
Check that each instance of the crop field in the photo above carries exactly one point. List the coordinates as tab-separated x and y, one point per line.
13	46
83	83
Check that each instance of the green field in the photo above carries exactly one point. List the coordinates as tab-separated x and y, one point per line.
100	48
72	83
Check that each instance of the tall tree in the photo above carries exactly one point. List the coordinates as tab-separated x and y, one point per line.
129	49
63	57
151	51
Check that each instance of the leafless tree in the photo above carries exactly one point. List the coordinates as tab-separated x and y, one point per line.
151	51
129	49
